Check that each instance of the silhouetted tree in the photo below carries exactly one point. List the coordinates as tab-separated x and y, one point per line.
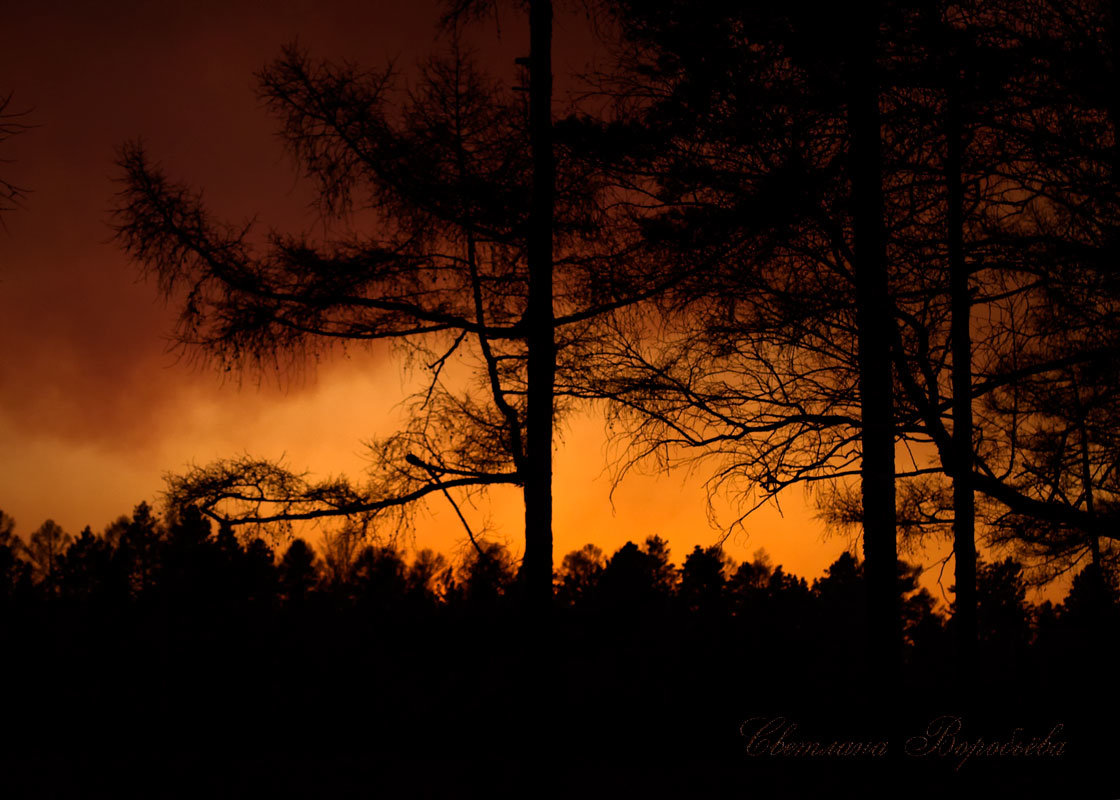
663	573
429	577
702	579
477	206
85	570
1089	623
15	573
539	311
579	575
997	68
767	134
340	549
258	566
379	579
137	543
484	578
874	325
298	572
842	596
44	549
1090	593
970	180
923	628
752	575
1004	617
638	582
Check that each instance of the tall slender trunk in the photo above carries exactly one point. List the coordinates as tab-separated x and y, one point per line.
1114	94
1099	594
873	321
537	566
964	506
1114	119
1079	412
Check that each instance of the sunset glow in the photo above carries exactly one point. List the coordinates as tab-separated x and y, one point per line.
90	396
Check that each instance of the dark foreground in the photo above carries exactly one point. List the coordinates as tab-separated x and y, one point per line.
174	662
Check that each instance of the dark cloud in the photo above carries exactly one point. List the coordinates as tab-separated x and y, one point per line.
84	340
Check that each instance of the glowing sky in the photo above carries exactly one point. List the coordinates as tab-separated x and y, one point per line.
93	408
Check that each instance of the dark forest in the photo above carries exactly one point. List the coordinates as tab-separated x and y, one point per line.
178	652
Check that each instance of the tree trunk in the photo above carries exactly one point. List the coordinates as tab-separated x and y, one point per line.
1086	476
537	566
873	321
1114	94
964	507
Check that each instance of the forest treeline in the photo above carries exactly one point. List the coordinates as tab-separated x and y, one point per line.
144	562
184	635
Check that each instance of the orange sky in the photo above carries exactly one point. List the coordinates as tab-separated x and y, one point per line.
93	409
